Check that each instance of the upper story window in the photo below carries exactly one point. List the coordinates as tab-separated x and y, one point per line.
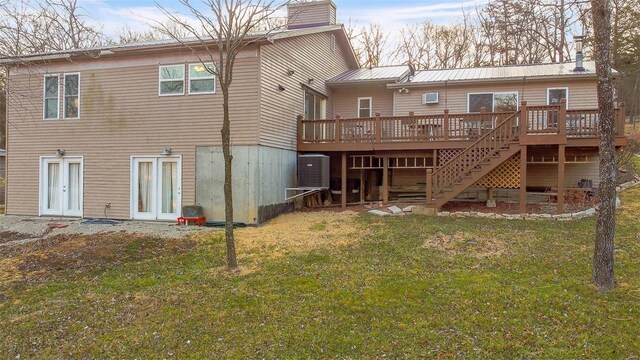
498	102
332	43
51	96
202	79
554	95
171	80
365	106
315	106
71	96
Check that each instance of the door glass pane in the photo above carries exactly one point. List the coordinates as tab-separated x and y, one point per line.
73	196
53	186
479	101
169	193
505	102
145	186
309	105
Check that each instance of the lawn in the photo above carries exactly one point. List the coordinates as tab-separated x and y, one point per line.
328	285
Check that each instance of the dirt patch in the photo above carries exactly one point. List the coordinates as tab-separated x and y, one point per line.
297	233
8	236
45	258
463	243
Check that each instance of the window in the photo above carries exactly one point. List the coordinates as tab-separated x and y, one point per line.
71	96
315	106
505	101
202	79
500	101
554	95
172	80
476	102
364	107
332	44
51	96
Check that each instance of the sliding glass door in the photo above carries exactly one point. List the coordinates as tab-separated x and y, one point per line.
156	188
61	186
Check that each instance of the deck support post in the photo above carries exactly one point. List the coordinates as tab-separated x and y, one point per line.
445	124
562	119
385	180
378	127
489	194
561	167
343	190
362	172
523	121
338	130
523	179
429	183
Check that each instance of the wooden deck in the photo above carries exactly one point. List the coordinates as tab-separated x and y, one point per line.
546	125
487	140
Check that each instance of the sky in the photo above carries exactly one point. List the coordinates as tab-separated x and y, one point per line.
113	15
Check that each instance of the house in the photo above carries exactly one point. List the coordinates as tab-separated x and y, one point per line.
133	131
455	133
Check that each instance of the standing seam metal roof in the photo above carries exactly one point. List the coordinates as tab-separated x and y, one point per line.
394	73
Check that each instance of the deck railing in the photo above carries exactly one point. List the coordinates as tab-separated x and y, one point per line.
540	120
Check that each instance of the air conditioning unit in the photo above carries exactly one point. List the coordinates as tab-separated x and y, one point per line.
430	98
313	171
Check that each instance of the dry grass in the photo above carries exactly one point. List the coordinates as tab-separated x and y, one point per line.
465	243
294	233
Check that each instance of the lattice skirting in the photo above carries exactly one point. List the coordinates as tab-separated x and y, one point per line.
444	155
506	175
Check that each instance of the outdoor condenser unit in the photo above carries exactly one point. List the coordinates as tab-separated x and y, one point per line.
313	171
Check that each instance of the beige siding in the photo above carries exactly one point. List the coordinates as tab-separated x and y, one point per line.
546	175
582	94
310	57
345	99
121	115
308	14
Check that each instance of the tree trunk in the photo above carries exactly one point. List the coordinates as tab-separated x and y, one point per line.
635	100
232	261
606	226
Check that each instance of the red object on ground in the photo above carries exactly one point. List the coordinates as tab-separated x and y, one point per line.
198	220
57	225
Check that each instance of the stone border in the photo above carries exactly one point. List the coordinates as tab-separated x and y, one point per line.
562	217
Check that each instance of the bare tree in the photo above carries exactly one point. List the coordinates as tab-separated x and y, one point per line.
373	41
606	223
222	29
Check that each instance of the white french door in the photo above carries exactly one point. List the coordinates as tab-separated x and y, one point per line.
61	186
156	187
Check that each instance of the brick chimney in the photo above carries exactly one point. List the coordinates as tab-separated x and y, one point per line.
311	14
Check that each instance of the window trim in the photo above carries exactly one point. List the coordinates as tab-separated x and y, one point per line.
184	75
44	97
332	43
565	88
323	98
64	95
212	77
493	99
370	106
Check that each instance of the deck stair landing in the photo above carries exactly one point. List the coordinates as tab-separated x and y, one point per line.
476	161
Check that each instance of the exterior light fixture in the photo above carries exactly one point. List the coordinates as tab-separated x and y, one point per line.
166	151
60	152
579	42
310	81
281	88
290	72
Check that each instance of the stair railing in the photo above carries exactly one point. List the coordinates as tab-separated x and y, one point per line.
472	157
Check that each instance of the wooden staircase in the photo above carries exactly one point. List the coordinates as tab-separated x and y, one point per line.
474	162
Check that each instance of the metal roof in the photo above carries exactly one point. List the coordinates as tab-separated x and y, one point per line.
382	73
501	72
110	49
